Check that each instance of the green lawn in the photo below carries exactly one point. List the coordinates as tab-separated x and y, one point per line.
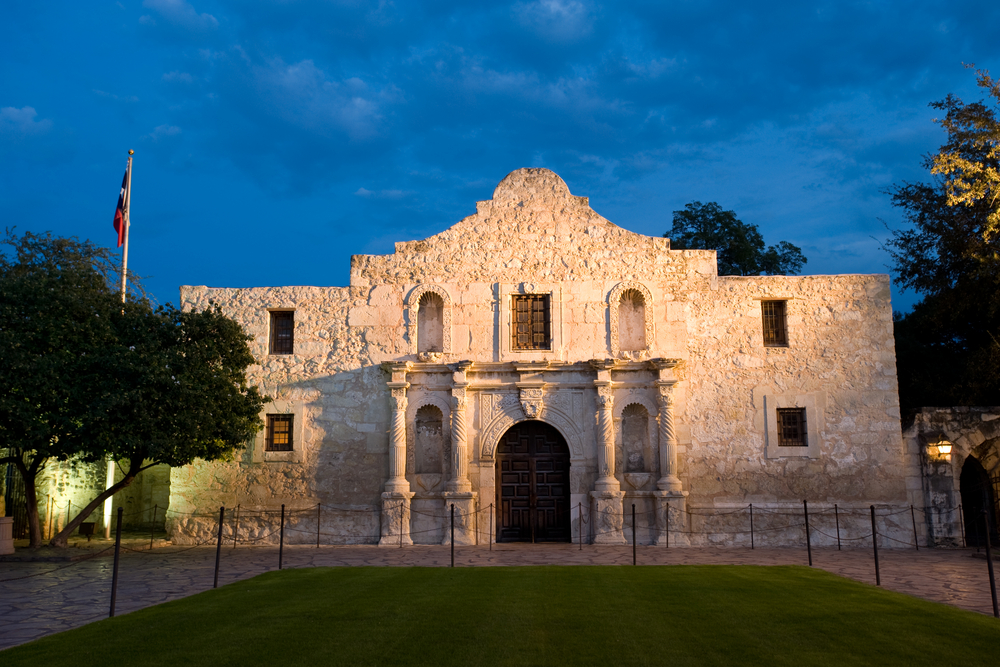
670	615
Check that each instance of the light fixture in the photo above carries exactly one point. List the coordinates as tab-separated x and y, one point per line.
944	448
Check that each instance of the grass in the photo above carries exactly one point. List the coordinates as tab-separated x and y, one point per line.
668	615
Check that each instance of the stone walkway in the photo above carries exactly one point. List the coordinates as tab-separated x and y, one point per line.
70	594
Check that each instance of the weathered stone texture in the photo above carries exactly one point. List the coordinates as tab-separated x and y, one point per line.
534	237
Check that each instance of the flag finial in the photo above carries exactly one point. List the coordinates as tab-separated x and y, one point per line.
130	151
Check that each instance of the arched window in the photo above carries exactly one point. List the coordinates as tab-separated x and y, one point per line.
636	450
429	440
430	323
632	321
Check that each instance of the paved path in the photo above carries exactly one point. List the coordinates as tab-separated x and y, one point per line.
72	594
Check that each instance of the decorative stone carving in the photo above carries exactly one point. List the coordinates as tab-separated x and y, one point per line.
532	401
668	441
614	299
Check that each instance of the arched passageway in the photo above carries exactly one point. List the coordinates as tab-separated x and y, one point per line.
978	496
532	485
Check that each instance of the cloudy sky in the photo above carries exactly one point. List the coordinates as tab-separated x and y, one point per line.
275	138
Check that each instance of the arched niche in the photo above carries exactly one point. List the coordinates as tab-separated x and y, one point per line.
630	316
435	324
422	411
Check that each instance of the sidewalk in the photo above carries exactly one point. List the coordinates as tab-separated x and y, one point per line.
69	594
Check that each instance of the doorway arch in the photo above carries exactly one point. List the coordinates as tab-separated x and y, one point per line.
978	497
532	483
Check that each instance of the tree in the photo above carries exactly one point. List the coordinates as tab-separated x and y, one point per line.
172	388
740	246
947	347
970	158
55	314
87	376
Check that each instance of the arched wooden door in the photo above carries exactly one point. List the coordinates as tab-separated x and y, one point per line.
532	485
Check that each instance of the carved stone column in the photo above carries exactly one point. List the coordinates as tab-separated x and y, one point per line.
459	489
607	495
670	495
397	495
668	440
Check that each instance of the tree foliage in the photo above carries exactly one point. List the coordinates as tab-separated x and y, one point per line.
947	347
86	376
740	246
970	159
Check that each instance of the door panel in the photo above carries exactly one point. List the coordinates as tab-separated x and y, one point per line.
533	485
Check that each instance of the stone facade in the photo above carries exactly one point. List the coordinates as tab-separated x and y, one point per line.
652	368
956	455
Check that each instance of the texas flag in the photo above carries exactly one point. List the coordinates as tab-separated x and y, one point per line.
121	213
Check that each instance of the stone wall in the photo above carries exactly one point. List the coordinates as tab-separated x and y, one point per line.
535	238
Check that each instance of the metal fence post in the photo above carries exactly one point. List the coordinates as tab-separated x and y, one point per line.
961	523
114	575
751	525
913	518
453	534
281	538
491	526
666	526
236	525
218	546
579	523
319	517
805	507
878	578
400	524
836	515
989	564
152	526
633	533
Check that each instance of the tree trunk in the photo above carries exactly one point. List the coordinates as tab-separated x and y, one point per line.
29	473
62	538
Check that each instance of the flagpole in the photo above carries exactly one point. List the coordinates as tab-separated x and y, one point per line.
109	478
127	221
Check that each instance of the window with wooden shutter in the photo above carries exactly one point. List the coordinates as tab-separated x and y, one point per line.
530	326
775	329
279	433
792	427
282	332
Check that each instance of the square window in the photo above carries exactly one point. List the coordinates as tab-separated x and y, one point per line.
282	332
775	329
530	322
279	433
792	427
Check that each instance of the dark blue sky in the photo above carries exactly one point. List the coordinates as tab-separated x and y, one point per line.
276	138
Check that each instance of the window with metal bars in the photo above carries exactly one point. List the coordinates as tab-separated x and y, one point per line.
775	329
282	332
792	427
530	328
279	433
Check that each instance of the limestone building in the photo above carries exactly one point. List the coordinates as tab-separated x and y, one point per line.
542	370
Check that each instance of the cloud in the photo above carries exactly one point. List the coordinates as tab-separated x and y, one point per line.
21	122
117	98
162	131
180	13
178	77
381	194
557	20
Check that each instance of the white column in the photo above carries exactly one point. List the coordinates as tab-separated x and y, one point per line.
459	481
668	440
607	495
397	494
397	443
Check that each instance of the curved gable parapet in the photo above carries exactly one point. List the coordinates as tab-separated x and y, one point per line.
533	225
